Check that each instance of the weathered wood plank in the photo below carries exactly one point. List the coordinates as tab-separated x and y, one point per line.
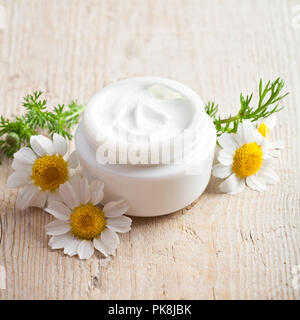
222	247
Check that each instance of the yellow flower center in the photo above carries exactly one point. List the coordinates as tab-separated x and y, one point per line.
49	172
247	160
87	222
263	130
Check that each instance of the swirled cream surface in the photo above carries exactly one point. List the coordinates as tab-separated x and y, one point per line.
138	111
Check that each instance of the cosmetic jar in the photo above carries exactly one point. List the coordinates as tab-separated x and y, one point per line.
150	141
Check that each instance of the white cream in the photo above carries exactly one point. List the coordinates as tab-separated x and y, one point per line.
140	110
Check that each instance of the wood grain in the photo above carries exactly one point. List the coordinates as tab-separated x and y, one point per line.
222	247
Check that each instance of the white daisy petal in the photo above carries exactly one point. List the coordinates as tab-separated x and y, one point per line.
84	191
57	227
25	155
18	179
265	148
237	139
221	171
119	224
60	144
110	247
110	239
65	241
97	193
71	247
271	121
74	179
85	249
227	141
54	196
81	189
225	157
40	199
256	183
59	242
268	175
245	132
59	210
115	208
25	196
232	185
21	166
42	145
68	195
73	161
100	246
258	138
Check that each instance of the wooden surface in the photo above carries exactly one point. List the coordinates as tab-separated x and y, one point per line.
222	247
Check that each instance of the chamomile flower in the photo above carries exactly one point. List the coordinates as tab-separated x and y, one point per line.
244	159
40	170
264	127
81	225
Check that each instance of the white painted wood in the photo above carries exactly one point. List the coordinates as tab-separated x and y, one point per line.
222	247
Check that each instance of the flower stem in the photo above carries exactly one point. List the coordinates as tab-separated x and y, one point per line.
73	115
230	119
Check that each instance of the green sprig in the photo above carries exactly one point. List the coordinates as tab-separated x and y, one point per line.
268	104
16	133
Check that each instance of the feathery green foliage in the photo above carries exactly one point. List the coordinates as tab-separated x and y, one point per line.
268	103
15	133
